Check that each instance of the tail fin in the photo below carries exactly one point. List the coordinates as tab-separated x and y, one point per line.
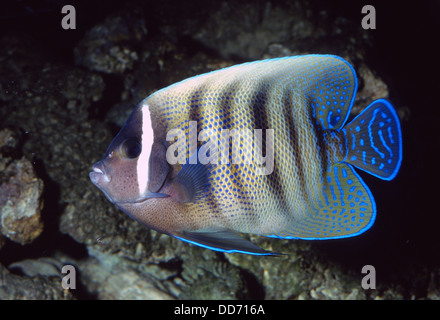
374	140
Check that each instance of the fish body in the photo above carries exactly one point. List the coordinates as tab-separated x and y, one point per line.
262	148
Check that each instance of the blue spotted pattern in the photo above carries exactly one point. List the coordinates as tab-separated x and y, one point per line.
374	140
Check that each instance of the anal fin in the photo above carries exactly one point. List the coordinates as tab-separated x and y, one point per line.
343	208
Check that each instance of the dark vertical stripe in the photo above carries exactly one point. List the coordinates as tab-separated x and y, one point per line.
225	104
295	141
318	131
225	113
225	108
260	110
195	107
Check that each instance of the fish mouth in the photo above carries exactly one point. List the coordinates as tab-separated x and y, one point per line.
100	175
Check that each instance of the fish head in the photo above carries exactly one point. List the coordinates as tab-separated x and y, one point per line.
134	167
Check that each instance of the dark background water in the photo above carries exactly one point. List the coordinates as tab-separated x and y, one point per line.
403	241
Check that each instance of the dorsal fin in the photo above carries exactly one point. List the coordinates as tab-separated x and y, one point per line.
331	87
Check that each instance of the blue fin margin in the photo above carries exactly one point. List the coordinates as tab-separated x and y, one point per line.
222	241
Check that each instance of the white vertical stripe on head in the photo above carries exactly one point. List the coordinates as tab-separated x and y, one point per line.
144	157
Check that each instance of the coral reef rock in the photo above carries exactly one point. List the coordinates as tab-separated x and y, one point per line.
20	197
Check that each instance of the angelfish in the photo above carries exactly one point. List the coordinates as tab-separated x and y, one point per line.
300	105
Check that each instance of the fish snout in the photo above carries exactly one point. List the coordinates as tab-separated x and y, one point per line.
100	175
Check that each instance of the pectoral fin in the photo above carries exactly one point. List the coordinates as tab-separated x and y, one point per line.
221	240
191	182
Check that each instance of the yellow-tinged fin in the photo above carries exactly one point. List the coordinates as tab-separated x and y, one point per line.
345	208
331	88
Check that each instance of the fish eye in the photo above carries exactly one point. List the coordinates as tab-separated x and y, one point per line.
131	148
